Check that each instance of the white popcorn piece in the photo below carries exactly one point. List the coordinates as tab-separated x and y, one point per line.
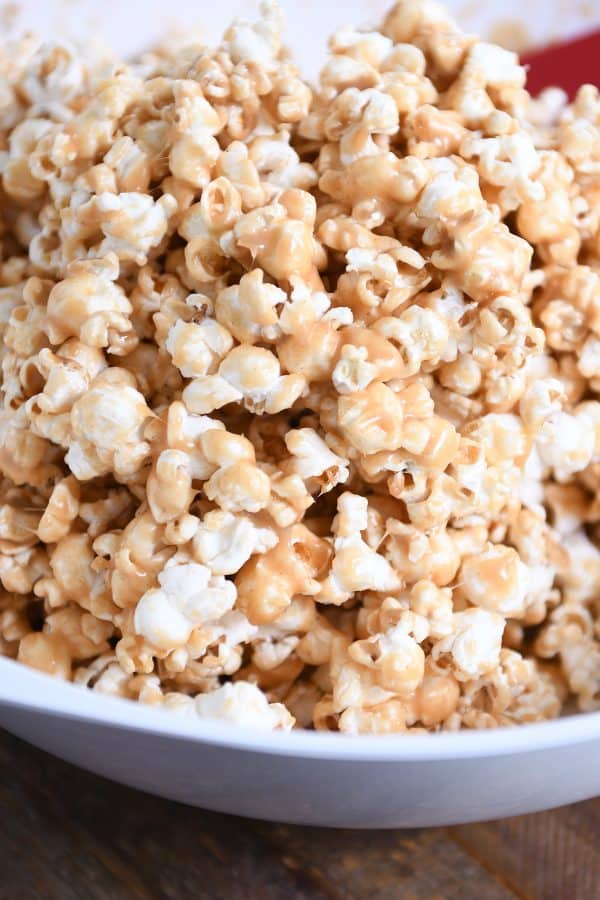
256	43
106	425
355	567
207	393
318	466
451	191
132	223
496	65
243	703
197	348
475	642
498	580
224	541
531	489
589	358
510	162
353	371
255	373
567	443
87	304
189	596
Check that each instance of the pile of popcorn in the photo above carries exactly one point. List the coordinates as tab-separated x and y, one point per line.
301	386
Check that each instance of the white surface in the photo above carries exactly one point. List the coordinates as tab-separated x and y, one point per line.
132	25
322	779
306	777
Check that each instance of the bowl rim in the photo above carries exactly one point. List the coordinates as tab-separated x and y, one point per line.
38	693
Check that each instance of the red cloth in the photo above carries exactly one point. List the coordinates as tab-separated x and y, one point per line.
567	65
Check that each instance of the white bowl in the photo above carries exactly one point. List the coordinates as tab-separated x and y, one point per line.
303	777
307	777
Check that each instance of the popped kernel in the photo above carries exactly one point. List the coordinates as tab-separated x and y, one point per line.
371	419
473	645
224	541
496	579
188	597
88	305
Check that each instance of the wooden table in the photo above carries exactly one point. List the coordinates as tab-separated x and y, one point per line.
67	835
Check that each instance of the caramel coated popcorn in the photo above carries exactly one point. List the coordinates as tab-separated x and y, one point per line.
300	385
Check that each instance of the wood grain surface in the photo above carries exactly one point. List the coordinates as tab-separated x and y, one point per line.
68	835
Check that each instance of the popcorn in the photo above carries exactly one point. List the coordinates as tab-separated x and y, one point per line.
187	598
495	65
106	427
46	652
132	223
371	420
567	443
355	117
18	180
240	487
244	704
195	151
399	662
496	579
88	305
72	579
61	511
509	162
224	541
313	461
196	348
169	486
249	310
355	567
267	583
299	386
474	644
255	374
